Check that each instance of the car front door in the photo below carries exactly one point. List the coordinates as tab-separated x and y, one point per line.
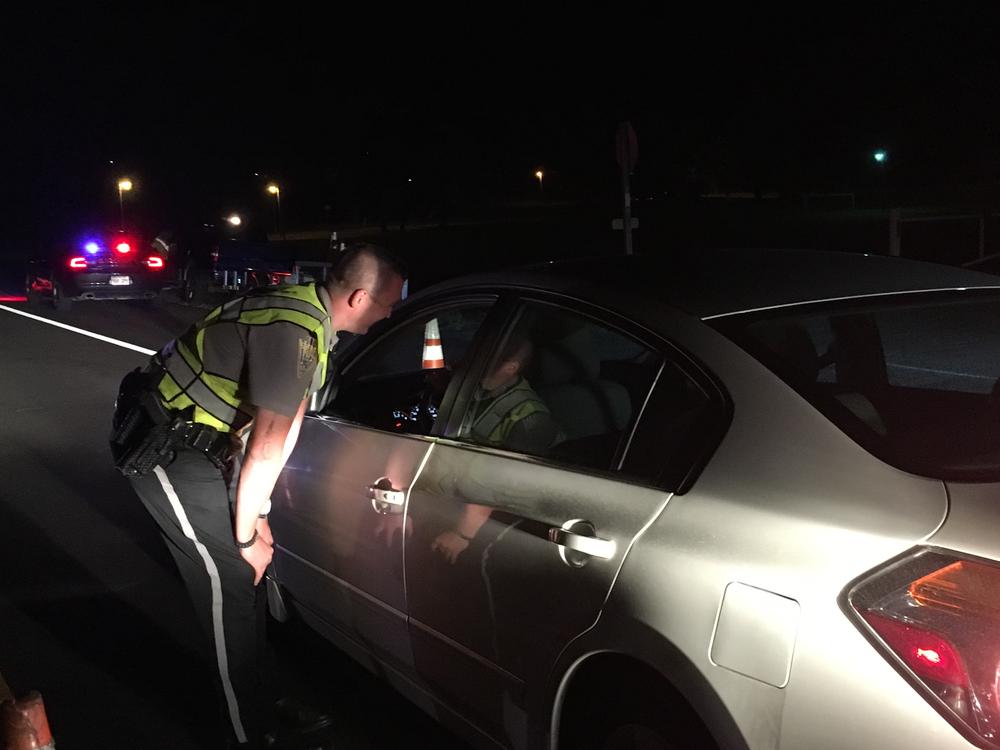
516	543
338	507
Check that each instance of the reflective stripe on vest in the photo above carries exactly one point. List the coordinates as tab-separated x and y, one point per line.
494	424
213	398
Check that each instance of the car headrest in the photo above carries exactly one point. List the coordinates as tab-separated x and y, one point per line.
570	359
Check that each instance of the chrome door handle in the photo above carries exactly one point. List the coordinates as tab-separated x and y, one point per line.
588	545
385	498
389	497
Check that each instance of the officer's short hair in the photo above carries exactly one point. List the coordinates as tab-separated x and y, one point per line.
365	266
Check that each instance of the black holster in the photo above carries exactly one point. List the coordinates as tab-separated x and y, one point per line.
144	434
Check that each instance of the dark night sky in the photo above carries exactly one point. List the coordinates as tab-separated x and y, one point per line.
191	102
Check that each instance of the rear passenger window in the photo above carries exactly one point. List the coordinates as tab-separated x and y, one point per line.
562	386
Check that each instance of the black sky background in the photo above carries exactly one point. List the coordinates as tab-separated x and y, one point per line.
191	100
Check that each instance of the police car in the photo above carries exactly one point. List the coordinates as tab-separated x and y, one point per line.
110	266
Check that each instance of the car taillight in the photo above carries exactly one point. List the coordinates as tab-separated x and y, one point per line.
154	261
937	616
78	262
123	247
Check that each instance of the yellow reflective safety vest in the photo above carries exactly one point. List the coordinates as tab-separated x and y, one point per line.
497	419
213	400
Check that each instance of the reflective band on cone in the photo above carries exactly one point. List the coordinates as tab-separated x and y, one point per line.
433	353
25	726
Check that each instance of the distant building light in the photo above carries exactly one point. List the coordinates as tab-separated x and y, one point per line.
880	156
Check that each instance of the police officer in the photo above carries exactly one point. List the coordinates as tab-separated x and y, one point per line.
250	363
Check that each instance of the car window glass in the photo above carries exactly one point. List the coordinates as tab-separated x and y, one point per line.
941	348
399	382
561	386
915	380
679	427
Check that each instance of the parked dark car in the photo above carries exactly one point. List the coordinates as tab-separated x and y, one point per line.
110	266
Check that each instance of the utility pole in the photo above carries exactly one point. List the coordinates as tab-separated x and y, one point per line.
626	152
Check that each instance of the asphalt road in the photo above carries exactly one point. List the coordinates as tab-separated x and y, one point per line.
92	612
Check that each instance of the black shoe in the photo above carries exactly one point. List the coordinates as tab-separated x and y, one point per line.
300	718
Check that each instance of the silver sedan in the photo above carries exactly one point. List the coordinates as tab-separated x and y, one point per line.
733	499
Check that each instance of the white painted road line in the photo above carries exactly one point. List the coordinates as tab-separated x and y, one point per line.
82	332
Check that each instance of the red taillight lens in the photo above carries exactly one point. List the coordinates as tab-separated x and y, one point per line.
154	261
123	247
926	653
938	616
78	262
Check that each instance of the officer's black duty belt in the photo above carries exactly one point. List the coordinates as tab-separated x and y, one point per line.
145	435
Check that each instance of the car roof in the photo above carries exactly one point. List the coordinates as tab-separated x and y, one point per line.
713	283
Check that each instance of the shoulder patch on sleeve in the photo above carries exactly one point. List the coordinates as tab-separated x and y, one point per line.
307	355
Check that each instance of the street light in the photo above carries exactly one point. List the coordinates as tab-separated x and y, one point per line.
124	185
539	175
880	155
234	219
274	190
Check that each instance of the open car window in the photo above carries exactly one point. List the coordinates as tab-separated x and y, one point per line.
398	383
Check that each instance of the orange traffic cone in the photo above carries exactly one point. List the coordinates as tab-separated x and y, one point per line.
433	353
25	726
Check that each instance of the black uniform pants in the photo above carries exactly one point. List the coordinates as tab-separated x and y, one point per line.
190	501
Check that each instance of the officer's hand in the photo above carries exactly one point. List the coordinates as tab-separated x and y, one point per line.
258	557
450	544
264	531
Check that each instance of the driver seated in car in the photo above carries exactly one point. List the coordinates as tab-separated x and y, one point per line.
505	413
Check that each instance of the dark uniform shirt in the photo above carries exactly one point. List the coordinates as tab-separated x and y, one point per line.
274	364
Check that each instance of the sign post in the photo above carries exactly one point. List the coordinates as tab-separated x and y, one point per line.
626	152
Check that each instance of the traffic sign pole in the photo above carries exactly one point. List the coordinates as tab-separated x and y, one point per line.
626	152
